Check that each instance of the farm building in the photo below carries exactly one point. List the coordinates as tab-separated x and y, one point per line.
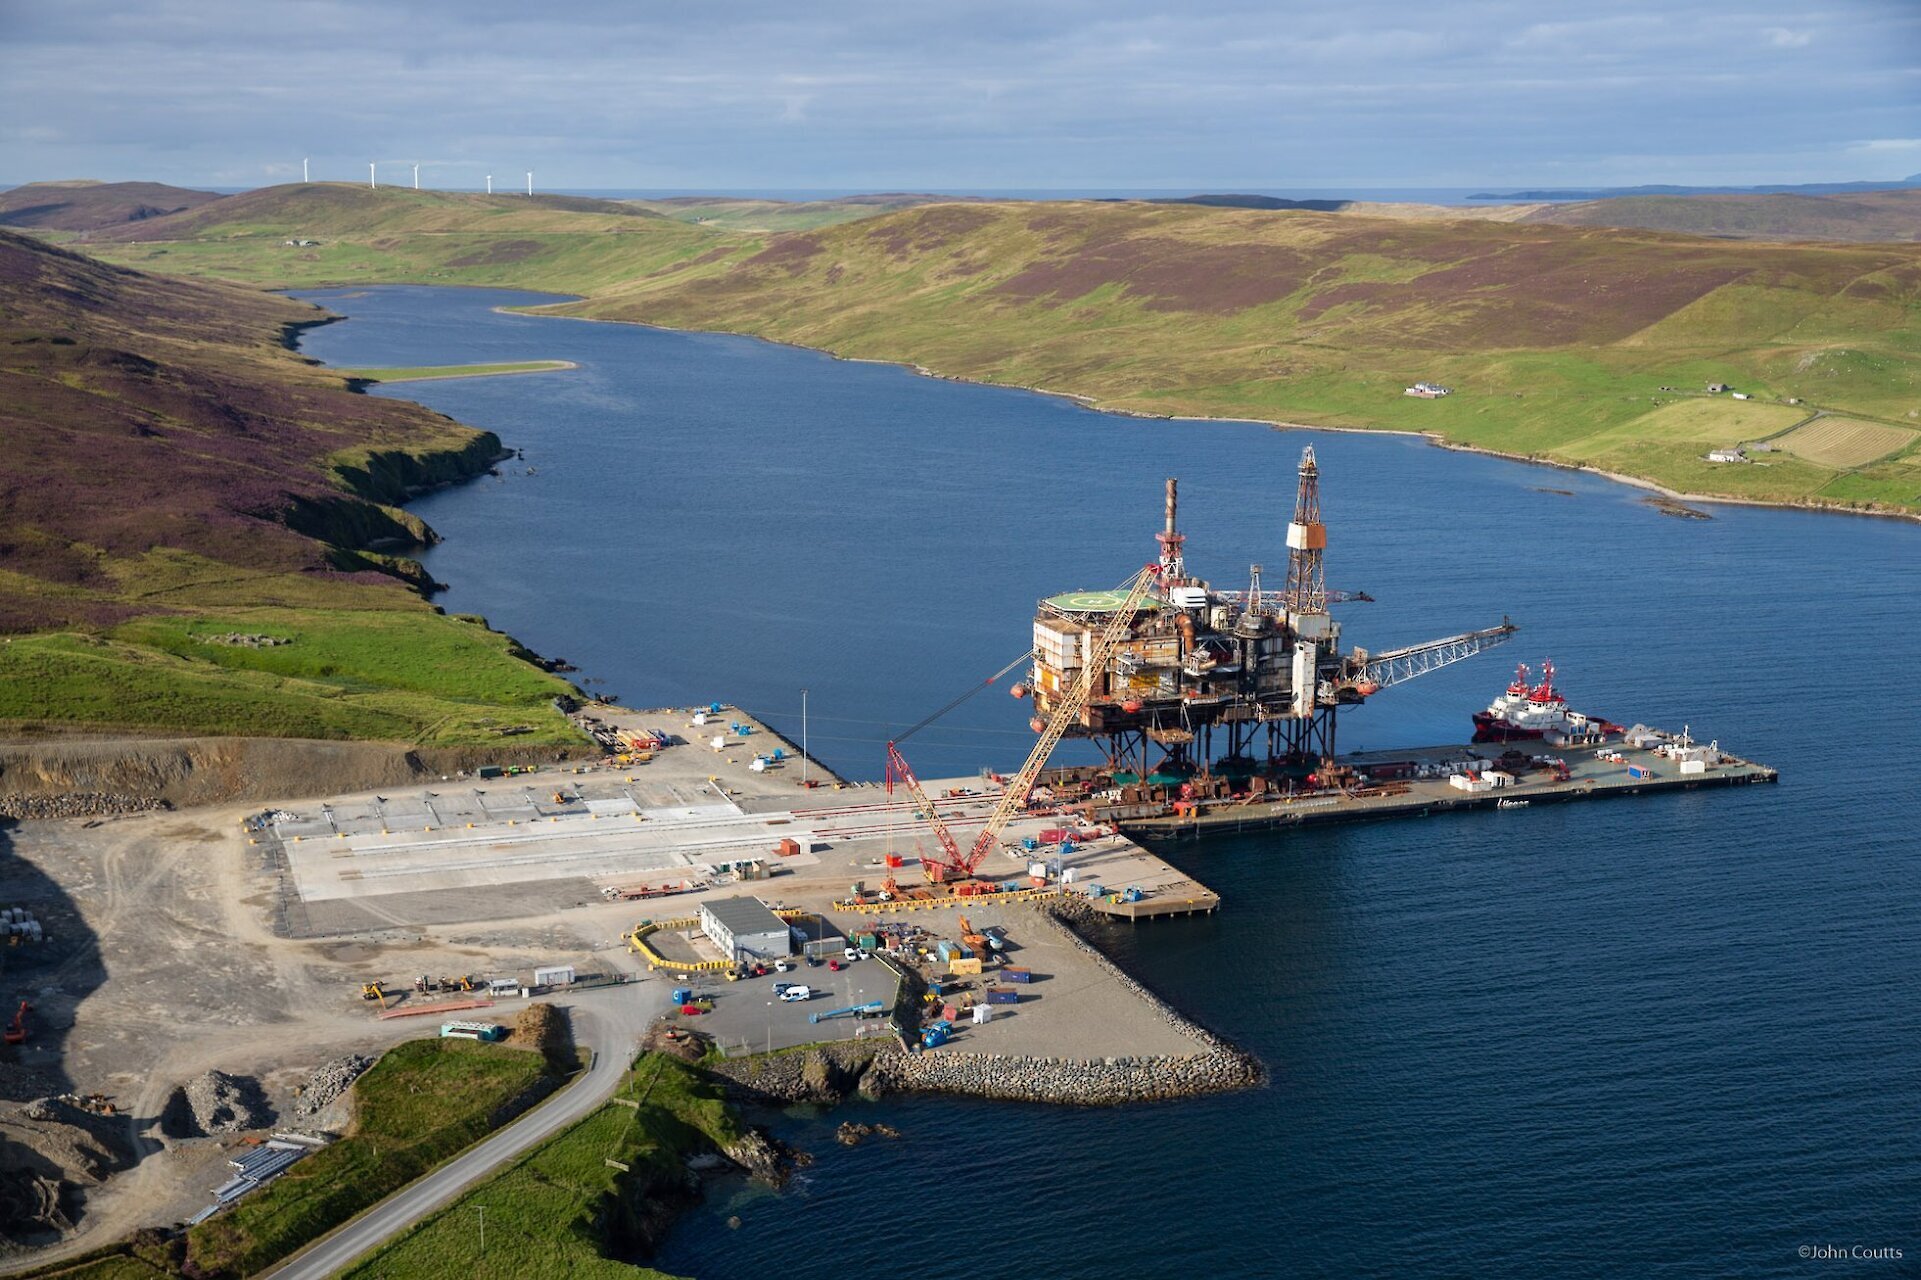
1727	455
743	927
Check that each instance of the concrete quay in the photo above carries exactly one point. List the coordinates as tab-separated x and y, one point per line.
1637	771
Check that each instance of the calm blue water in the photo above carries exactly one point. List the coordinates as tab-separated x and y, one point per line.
1671	1037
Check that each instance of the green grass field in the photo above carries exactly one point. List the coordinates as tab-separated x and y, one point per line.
404	674
421	1103
554	1212
434	373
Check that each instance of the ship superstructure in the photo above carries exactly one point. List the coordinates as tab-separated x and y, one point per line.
1530	711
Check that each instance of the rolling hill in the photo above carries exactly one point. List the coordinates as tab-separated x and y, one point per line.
565	243
175	477
1563	342
1865	216
89	206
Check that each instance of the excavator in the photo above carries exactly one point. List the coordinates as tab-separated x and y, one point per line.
16	1032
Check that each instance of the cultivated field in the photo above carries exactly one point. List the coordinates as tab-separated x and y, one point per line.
1845	442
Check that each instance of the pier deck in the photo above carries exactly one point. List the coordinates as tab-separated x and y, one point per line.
1589	778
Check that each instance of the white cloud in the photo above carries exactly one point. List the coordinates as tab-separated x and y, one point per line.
1783	38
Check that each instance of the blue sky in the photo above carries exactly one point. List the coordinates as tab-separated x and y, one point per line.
764	94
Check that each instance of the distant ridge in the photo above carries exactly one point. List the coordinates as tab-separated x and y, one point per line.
1255	202
1860	217
1775	189
89	206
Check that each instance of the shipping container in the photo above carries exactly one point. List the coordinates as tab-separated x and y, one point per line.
1017	975
1003	995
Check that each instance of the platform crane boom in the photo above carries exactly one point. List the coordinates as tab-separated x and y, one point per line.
1397	666
1014	795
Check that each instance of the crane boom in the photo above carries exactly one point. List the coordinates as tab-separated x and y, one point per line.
897	768
1396	666
1014	795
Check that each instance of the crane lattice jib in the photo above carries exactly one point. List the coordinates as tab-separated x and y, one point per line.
897	767
1399	665
1014	796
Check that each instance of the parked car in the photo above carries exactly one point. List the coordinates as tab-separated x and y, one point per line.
797	993
852	954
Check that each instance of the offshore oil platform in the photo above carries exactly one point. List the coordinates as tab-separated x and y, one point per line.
1161	672
1201	683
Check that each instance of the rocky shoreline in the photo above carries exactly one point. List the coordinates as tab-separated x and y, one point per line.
828	1073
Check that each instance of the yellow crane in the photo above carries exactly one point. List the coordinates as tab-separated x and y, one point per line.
1014	795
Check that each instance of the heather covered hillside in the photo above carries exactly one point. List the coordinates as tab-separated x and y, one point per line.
1571	344
173	474
90	206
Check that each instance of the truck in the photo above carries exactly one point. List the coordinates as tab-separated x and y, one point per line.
486	1032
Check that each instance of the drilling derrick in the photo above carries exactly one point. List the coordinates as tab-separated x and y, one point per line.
1310	733
1306	542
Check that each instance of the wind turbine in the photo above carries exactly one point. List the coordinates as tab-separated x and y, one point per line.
303	172
490	184
530	182
370	176
416	177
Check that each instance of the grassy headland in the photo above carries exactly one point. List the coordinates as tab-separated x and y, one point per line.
437	372
199	530
1565	344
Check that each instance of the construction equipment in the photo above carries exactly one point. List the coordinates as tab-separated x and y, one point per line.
373	991
898	770
16	1032
975	942
850	1011
1014	794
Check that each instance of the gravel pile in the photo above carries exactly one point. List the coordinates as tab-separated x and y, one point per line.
328	1081
220	1103
76	804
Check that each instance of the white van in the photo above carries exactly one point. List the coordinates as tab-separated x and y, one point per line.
797	993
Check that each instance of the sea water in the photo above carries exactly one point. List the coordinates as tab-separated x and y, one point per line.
1670	1036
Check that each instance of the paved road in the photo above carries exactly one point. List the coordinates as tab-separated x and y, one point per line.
610	1022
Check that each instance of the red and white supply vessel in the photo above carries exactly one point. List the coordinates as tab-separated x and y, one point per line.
1537	711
